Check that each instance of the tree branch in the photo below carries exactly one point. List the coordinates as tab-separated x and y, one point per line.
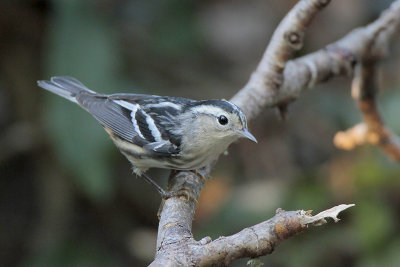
364	90
337	59
261	239
276	82
253	242
265	83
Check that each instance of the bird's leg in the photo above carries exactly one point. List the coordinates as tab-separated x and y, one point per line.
158	188
184	192
168	194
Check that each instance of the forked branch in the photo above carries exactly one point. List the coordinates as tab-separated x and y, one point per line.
276	82
252	242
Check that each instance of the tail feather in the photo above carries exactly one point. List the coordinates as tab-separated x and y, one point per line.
66	87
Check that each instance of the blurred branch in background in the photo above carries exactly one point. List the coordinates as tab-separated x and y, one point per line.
364	90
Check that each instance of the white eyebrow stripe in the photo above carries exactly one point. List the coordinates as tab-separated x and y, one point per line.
239	111
165	104
134	108
208	109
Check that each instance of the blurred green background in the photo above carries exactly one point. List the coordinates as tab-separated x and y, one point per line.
68	198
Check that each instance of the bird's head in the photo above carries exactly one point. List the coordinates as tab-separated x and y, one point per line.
219	120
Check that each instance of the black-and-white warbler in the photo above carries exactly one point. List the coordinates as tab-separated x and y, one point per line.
159	131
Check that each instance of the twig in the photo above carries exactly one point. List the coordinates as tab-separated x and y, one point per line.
372	131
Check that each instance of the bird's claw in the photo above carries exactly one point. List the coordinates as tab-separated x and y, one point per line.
184	192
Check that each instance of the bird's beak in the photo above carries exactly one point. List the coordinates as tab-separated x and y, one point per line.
245	133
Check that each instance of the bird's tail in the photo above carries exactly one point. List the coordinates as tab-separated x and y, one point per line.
66	87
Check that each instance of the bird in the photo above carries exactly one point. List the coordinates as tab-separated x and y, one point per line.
159	131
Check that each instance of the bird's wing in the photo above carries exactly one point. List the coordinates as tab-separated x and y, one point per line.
129	120
109	114
162	148
164	113
128	116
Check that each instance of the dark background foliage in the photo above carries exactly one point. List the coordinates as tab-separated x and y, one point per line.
68	198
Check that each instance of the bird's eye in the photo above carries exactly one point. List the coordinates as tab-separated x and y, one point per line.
222	120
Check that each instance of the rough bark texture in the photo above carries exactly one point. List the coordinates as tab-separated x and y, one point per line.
275	83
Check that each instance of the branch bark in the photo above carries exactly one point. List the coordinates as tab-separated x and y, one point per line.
253	242
276	82
261	239
266	81
337	59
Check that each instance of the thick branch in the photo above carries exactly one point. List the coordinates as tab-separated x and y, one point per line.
261	239
266	81
337	59
252	242
282	46
275	82
177	214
